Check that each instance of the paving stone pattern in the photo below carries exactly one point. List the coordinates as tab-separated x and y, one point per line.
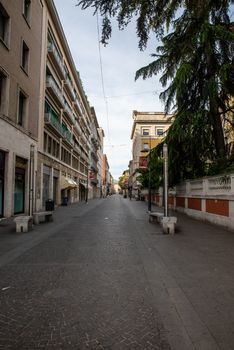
102	277
82	287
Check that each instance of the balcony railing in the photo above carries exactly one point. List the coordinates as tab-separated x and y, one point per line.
93	165
54	52
68	83
77	127
78	104
52	119
51	84
67	134
68	110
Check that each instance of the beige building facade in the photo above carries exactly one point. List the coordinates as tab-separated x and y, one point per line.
20	62
148	130
101	136
65	119
48	132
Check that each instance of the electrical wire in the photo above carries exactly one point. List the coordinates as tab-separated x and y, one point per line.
102	79
126	95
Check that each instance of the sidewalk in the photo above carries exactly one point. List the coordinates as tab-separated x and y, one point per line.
13	244
193	270
189	275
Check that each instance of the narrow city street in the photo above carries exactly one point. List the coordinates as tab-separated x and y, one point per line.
102	277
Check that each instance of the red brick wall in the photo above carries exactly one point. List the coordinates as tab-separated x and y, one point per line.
180	202
171	200
194	203
217	206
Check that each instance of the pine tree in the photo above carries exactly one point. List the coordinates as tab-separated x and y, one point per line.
196	63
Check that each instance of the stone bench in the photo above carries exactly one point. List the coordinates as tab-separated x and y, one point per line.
42	216
168	224
155	216
23	223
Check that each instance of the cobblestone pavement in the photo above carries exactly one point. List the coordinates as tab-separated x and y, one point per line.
81	287
102	277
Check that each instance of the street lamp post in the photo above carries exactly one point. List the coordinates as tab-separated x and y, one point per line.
149	192
87	186
149	182
165	173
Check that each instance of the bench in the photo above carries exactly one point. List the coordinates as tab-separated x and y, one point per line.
42	216
23	223
168	224
155	216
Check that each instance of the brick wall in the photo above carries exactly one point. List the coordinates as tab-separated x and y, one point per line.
195	203
217	206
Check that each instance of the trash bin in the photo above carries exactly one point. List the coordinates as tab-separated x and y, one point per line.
49	205
65	201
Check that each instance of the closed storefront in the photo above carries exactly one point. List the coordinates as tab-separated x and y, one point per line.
55	185
46	184
19	192
2	174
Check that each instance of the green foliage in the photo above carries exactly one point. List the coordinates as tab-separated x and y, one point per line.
196	63
121	181
153	175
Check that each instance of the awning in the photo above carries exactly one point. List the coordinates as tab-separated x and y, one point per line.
66	182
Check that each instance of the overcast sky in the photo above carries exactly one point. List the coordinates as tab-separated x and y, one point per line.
120	60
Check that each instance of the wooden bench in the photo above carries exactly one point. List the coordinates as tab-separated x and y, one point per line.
23	223
155	216
42	216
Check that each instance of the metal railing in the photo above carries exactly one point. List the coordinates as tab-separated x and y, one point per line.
52	49
51	83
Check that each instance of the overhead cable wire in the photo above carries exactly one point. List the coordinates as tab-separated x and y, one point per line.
102	79
126	95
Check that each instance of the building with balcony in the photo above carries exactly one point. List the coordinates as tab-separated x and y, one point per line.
95	145
148	130
106	177
64	119
20	62
101	136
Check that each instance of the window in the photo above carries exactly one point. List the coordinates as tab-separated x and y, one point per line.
55	152
146	146
26	9
3	83
22	108
159	132
45	142
49	149
51	146
65	156
145	131
82	168
4	25
25	57
75	163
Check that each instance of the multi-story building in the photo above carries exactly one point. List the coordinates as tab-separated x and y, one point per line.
65	119
101	136
148	130
47	146
20	62
105	176
95	145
